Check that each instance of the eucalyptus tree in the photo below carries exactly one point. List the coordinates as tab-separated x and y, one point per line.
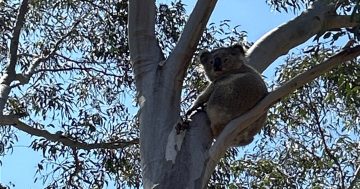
102	85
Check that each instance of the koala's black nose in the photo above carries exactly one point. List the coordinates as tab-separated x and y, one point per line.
217	64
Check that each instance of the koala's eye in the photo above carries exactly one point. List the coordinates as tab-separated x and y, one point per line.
211	62
226	59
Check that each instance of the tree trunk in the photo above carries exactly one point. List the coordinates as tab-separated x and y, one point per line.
169	159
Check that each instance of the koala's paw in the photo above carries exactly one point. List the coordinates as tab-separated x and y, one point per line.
181	126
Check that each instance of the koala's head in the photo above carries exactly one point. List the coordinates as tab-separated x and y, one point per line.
220	61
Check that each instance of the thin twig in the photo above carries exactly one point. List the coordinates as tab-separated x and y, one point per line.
25	78
77	168
328	152
356	179
318	121
12	120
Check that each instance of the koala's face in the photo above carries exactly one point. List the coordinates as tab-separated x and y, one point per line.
220	61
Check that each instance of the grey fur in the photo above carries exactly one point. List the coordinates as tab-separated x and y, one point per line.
234	88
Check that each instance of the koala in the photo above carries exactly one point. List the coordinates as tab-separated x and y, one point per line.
234	88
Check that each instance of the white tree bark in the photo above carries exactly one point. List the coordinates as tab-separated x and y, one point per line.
165	155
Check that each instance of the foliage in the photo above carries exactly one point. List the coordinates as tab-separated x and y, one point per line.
82	91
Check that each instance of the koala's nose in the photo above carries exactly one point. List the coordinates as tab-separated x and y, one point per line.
217	64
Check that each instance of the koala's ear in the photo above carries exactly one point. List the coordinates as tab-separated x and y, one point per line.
204	56
237	49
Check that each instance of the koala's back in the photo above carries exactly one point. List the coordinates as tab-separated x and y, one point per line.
234	95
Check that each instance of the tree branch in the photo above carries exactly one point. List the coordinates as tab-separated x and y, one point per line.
236	126
23	80
326	148
9	73
14	43
87	69
354	182
13	120
144	48
190	36
25	77
4	94
320	17
77	166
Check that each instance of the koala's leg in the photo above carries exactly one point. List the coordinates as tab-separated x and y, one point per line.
247	136
243	139
216	129
201	99
218	119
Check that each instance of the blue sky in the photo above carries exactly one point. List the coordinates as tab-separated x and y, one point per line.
255	17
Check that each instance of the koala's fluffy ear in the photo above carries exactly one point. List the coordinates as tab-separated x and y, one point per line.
237	49
204	56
